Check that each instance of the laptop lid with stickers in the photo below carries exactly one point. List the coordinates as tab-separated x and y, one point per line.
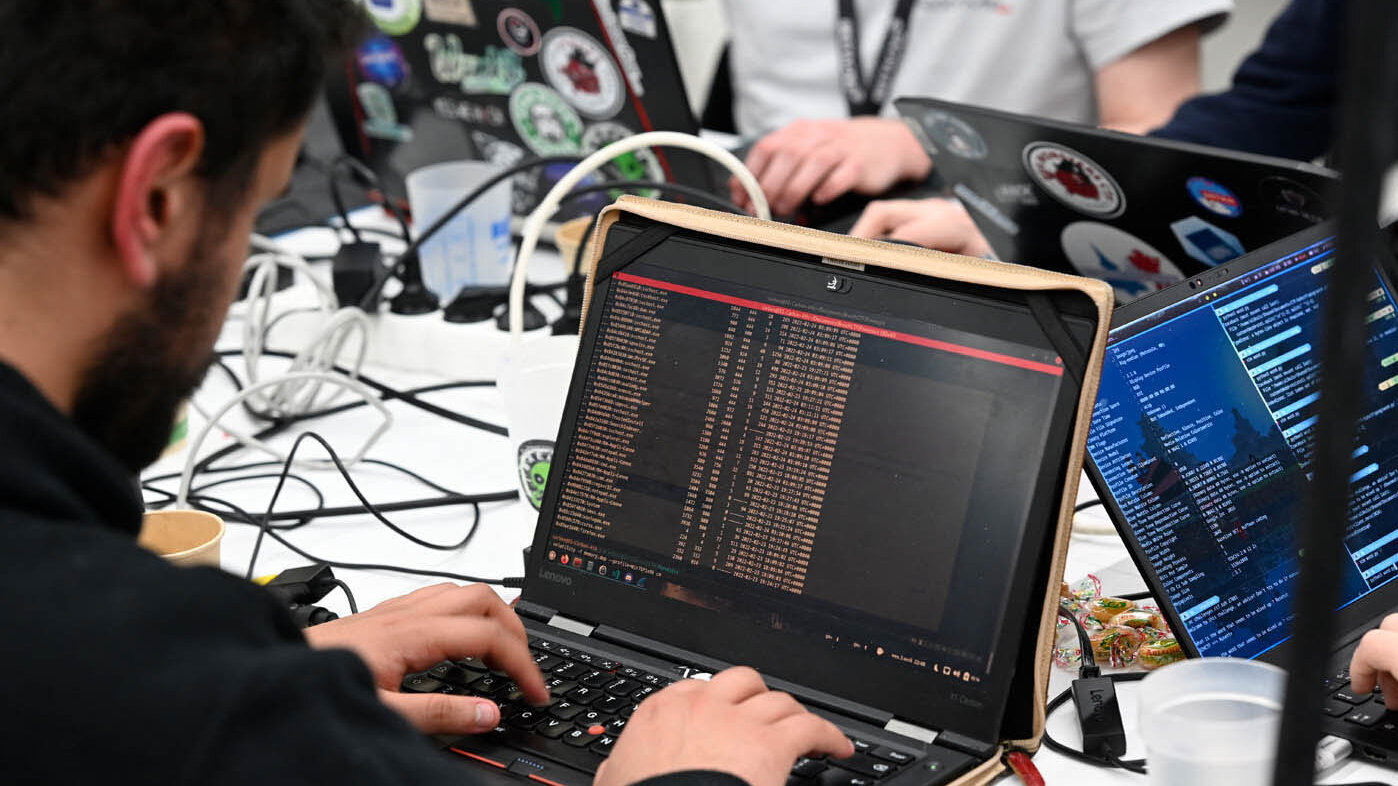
447	80
1137	212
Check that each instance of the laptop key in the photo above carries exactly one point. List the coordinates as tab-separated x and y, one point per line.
583	694
808	768
861	746
566	711
553	728
612	704
449	672
526	719
888	754
603	745
614	728
1349	697
838	777
419	683
629	673
591	718
547	662
472	664
1336	709
608	665
488	685
581	738
558	686
651	679
596	679
1366	716
623	687
864	764
570	671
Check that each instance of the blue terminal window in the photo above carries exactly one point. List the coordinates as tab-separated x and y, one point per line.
1203	432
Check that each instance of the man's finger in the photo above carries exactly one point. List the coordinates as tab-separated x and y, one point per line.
1389	684
1390	623
839	182
777	173
737	684
811	172
813	735
486	638
1378	652
436	713
881	217
771	706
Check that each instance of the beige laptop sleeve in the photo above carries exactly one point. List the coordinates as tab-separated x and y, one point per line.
968	270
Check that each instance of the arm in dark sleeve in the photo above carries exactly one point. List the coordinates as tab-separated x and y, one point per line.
1283	97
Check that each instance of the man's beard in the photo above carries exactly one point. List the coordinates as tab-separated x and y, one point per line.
152	361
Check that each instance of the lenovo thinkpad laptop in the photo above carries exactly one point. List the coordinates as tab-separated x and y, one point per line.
446	80
1138	212
1201	448
848	479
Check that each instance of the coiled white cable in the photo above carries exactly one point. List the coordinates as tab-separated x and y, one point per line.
534	224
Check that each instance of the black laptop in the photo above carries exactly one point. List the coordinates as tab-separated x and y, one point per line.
847	479
1138	212
1201	445
489	80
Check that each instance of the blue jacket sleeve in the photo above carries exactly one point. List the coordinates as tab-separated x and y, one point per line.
1284	95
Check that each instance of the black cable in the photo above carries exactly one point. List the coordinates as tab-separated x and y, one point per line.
237	514
678	189
406	396
1146	595
371	179
1088	667
349	596
1088	505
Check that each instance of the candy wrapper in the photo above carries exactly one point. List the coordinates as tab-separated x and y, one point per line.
1123	633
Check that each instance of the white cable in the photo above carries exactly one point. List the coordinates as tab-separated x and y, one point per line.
534	224
320	377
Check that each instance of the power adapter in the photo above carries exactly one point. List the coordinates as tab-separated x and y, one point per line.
301	588
356	271
1099	714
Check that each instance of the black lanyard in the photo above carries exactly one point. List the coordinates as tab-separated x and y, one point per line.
867	98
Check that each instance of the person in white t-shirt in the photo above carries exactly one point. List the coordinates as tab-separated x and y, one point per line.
1123	64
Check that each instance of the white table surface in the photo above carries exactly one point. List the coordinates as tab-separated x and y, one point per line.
472	461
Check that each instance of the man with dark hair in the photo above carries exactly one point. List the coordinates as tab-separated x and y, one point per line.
139	140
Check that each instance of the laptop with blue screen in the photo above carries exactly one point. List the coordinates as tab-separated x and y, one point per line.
1201	449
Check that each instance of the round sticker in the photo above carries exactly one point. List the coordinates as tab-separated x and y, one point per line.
640	164
535	458
954	135
1289	198
545	121
395	17
1132	266
1214	198
518	31
382	62
582	70
1074	179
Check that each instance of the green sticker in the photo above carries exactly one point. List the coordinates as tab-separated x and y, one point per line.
545	121
395	17
535	458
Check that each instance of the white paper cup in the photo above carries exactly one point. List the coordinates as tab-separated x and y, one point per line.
474	248
1212	721
184	537
533	381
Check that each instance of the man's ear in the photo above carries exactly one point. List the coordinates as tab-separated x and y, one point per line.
158	195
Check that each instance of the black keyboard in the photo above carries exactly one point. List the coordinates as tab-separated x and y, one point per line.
592	700
1361	709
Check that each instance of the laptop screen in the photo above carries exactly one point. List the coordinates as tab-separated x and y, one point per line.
843	462
1202	435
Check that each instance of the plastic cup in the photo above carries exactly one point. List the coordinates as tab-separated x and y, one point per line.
473	249
533	381
184	537
1212	721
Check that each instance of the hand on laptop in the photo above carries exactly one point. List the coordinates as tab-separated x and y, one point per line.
730	724
414	632
824	159
937	223
1375	663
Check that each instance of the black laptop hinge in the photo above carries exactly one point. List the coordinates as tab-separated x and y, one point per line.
960	742
1073	353
632	249
533	611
